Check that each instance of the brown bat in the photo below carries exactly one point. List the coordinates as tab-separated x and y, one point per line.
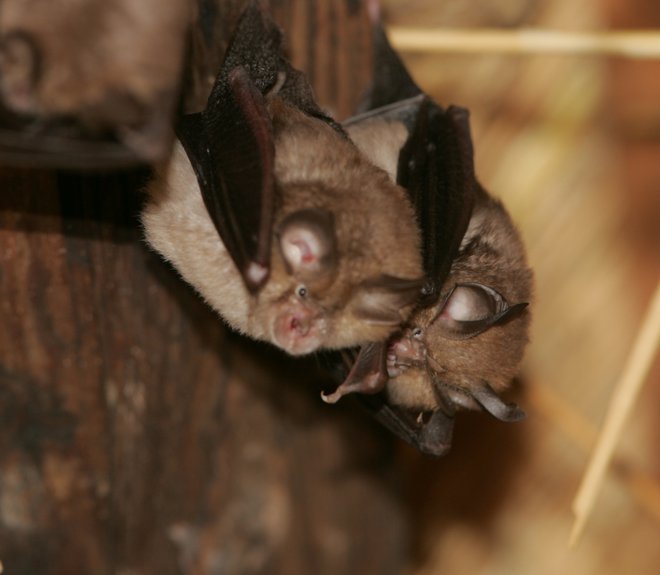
465	341
87	69
270	165
463	351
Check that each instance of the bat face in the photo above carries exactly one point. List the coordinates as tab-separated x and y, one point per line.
341	273
462	351
464	341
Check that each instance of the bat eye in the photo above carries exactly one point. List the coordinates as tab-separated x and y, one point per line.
472	302
302	292
472	308
417	332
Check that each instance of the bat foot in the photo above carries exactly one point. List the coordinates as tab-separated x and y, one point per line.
331	398
373	383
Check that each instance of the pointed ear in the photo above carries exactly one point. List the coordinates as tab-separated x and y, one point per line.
308	243
385	300
230	146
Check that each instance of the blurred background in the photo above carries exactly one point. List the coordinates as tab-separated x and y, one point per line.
138	436
571	143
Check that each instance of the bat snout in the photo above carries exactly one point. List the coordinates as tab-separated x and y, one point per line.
404	352
407	349
299	326
298	331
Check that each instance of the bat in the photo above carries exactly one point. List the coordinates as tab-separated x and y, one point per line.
267	208
465	340
464	350
89	82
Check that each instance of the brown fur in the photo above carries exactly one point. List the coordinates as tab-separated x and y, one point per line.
315	167
491	254
381	141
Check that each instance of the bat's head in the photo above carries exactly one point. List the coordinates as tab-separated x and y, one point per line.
462	351
346	263
311	300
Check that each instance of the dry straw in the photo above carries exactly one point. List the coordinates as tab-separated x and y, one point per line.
631	44
634	374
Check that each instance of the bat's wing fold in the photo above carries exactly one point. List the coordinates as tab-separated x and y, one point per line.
230	146
230	143
436	167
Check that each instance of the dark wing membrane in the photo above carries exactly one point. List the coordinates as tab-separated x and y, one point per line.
431	436
436	164
230	143
257	47
230	146
436	167
392	82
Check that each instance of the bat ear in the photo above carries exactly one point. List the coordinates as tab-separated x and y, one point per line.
308	243
385	300
472	308
231	148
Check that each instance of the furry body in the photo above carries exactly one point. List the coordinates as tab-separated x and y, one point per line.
315	168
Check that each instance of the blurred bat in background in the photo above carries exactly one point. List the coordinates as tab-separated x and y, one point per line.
296	238
465	341
87	83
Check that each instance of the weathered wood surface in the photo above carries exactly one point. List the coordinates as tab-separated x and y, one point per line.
137	435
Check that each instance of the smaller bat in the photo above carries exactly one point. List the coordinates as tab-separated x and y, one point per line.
296	238
465	350
464	343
